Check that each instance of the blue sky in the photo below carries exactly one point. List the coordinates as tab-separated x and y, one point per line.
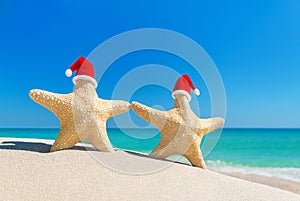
255	46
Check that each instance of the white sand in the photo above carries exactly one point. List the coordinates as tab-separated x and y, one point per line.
28	174
270	181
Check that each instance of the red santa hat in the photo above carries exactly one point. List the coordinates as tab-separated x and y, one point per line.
84	71
183	86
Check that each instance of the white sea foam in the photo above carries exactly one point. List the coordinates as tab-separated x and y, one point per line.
292	174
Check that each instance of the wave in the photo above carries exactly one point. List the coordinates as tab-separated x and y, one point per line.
291	174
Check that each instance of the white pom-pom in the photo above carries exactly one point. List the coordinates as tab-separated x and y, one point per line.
69	72
197	92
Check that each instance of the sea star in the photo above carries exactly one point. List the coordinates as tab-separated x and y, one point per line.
82	115
181	130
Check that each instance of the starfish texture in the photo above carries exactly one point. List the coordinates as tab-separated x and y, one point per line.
82	115
181	130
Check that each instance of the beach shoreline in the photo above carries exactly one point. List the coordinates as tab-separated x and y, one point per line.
30	172
269	181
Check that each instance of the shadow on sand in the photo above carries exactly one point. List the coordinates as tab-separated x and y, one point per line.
40	147
33	146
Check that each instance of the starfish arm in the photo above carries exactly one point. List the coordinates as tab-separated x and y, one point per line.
98	137
113	107
206	126
153	116
65	139
161	150
56	103
183	106
160	153
194	155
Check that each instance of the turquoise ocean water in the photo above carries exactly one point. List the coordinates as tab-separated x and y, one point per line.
267	152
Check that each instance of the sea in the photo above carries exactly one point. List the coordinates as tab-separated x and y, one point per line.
265	152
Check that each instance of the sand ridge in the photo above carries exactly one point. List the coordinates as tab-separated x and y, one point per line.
28	173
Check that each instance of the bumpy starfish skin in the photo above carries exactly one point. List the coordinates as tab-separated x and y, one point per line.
82	115
181	130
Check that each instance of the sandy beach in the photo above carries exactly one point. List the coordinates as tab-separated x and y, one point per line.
29	172
274	182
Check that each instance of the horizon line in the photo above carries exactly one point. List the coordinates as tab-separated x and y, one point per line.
155	128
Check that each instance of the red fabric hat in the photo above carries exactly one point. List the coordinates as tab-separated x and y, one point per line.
183	86
84	71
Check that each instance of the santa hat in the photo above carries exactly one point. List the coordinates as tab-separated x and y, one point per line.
183	86
84	71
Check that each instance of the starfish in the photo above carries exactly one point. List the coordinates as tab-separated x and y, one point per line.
82	115
181	130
